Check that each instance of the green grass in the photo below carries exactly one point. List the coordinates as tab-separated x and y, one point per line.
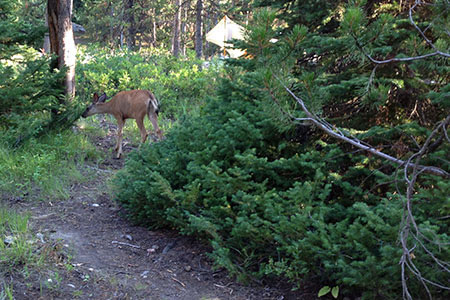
6	292
45	167
17	247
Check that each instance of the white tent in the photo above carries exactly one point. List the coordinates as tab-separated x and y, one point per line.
225	31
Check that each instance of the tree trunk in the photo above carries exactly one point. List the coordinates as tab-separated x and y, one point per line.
184	8
214	22
154	29
131	40
111	25
206	28
176	29
61	39
198	30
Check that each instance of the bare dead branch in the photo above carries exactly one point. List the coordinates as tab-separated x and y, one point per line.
405	59
372	76
429	42
412	165
401	59
337	133
409	220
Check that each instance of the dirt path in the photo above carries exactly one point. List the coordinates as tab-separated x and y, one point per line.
106	257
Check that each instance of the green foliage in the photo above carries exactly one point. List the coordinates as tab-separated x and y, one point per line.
150	23
179	85
345	79
44	167
326	289
108	22
272	202
316	13
270	207
18	26
238	176
31	92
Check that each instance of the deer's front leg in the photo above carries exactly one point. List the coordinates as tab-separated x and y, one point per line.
154	120
144	134
120	124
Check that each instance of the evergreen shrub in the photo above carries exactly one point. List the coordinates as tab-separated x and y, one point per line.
31	92
271	206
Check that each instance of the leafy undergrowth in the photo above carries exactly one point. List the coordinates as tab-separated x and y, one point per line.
45	167
180	85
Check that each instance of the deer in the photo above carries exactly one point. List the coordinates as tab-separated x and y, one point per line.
125	105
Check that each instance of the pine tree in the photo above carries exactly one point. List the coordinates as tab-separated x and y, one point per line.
30	88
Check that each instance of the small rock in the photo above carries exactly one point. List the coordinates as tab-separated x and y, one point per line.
168	247
187	268
50	280
40	236
95	205
8	240
152	249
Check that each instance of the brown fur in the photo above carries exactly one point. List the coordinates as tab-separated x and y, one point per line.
124	105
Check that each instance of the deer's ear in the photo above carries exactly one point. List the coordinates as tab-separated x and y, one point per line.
95	99
102	98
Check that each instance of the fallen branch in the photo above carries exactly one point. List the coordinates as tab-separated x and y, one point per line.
126	244
176	280
100	170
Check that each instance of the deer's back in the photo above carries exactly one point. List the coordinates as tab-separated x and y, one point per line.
132	104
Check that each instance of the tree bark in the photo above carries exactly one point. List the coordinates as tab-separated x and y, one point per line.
131	39
184	20
198	30
111	26
59	13
176	29
154	28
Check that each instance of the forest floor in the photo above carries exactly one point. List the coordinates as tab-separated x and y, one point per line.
99	254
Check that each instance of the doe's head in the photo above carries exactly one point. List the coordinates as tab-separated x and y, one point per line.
92	109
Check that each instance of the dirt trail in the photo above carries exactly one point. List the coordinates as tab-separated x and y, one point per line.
106	257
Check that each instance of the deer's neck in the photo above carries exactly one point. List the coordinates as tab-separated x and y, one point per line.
105	108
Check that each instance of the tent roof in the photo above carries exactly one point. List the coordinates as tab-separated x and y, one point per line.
224	31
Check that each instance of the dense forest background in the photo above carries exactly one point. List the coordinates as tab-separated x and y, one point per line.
321	155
